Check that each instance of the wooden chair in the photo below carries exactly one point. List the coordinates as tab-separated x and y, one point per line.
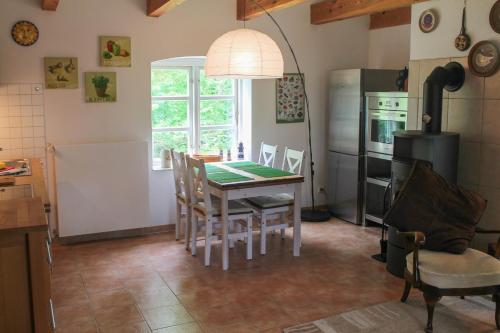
277	206
207	210
181	194
267	154
439	274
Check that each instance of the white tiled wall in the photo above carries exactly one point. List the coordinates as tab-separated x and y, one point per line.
474	112
22	121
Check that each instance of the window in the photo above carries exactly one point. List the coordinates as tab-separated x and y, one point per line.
192	113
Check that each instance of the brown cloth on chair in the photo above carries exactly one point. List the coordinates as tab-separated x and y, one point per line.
447	214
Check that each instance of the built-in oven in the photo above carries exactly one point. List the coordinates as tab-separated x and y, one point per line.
387	113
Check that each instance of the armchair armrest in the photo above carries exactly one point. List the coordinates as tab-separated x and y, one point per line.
487	231
414	239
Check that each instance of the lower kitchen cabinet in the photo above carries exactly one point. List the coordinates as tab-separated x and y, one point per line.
25	270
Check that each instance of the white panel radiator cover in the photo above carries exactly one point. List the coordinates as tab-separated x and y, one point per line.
102	187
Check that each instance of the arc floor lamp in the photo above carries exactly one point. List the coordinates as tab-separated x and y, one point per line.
250	54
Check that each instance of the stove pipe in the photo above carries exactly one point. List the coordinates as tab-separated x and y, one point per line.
450	77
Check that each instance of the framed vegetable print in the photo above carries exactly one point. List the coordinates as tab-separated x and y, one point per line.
100	87
290	101
115	51
61	73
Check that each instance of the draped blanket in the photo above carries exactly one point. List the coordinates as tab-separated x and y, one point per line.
447	214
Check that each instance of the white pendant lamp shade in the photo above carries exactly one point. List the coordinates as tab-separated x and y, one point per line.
244	54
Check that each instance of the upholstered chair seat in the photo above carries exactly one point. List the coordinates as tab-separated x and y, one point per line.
472	269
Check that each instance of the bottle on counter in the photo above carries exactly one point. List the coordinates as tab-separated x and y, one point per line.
228	155
241	154
221	155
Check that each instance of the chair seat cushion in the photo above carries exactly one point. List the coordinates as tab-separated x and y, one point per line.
234	207
271	201
472	269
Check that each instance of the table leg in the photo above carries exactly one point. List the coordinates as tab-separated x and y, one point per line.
296	219
225	224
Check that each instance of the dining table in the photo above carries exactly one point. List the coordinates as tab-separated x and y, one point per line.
245	179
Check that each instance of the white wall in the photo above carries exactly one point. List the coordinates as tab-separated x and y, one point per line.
389	48
188	30
440	42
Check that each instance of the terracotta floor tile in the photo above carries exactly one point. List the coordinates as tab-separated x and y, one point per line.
69	297
155	299
166	316
184	328
230	328
139	327
110	298
99	284
117	315
87	326
145	284
73	315
151	282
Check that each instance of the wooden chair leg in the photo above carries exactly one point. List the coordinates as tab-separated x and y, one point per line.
282	221
496	298
208	241
187	232
249	237
430	300
194	232
406	292
178	221
263	231
231	229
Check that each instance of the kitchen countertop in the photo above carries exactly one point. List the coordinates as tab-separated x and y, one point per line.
36	180
22	214
27	213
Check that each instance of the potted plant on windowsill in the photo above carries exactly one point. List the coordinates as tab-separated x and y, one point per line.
101	85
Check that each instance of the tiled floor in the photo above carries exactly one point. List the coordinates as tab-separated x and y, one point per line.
152	283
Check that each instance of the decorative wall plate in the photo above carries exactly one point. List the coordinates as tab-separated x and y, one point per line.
484	59
25	33
495	17
428	20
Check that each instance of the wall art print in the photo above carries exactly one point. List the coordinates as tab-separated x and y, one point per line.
61	73
115	51
290	101
100	87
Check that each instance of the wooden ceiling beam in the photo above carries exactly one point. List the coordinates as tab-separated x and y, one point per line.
335	10
247	9
156	8
50	4
390	18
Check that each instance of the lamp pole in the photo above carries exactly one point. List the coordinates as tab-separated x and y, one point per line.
312	214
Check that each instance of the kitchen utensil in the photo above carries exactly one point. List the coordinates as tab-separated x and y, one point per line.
462	42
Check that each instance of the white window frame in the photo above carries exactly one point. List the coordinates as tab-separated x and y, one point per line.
194	100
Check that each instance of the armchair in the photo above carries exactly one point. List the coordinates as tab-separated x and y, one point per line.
439	274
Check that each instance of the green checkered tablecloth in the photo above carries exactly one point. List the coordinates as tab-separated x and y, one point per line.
223	176
258	169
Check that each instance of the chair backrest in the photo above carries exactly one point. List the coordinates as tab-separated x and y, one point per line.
267	154
198	183
292	161
180	175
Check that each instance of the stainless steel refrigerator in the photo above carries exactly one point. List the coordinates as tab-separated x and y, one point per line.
346	137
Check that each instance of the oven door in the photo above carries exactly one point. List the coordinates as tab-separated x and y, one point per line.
381	126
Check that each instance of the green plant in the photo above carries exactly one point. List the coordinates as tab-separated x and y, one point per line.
107	55
100	81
